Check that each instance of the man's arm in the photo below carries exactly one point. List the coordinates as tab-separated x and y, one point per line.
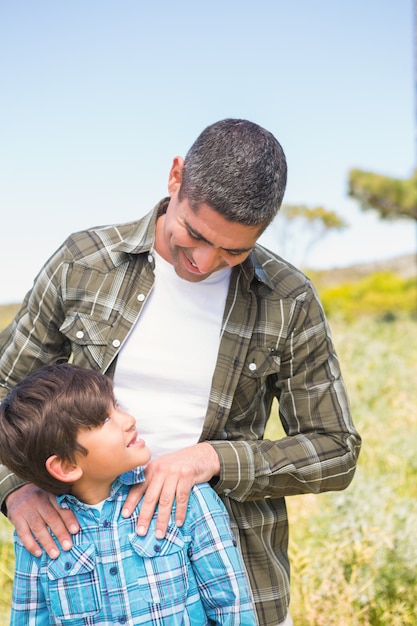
32	511
295	372
30	341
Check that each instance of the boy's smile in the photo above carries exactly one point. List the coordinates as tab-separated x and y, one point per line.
114	448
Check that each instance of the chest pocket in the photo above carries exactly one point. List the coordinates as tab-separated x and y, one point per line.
82	329
163	575
262	361
73	584
89	339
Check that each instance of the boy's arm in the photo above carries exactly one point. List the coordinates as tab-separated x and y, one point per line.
28	603
217	562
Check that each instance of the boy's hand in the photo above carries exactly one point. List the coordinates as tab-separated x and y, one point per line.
168	478
32	510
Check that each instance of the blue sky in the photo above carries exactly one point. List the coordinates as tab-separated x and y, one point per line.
98	96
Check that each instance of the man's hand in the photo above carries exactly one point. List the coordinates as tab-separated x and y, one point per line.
31	510
169	478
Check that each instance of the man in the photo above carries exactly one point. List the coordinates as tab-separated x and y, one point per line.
188	313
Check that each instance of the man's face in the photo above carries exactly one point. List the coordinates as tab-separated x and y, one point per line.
199	243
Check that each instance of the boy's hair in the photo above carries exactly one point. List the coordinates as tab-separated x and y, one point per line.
42	415
239	169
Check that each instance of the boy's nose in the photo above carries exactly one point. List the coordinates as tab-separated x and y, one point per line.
129	423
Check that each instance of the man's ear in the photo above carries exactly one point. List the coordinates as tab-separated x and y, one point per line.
175	175
62	470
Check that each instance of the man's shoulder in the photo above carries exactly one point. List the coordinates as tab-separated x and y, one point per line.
111	242
281	277
103	236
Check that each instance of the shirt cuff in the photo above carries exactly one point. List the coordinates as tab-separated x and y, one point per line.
9	482
237	469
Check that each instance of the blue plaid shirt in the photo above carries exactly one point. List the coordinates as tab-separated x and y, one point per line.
194	576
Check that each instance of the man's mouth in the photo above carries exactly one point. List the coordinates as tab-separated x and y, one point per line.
191	265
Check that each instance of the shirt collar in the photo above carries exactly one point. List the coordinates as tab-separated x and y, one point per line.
252	269
129	478
142	239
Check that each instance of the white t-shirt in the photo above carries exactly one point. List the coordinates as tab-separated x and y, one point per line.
164	370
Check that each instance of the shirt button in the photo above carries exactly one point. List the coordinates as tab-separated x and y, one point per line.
106	523
79	334
116	343
157	548
122	619
141	297
252	367
150	258
67	565
113	571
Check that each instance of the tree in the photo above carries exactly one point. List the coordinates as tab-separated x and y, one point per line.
391	197
297	228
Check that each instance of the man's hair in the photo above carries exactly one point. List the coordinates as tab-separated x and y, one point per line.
239	169
42	415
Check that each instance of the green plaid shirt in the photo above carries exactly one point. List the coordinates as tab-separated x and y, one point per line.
275	343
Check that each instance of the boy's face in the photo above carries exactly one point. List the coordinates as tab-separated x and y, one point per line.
113	448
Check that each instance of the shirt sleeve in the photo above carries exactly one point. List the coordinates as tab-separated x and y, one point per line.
217	563
321	446
9	482
29	604
33	338
31	341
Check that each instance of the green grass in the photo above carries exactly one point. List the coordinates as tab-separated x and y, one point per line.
6	569
7	313
353	553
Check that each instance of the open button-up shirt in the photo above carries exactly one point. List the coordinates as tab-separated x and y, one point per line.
275	344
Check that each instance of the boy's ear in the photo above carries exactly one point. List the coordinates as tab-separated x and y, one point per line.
62	470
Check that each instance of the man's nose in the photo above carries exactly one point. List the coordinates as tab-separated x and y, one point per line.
207	258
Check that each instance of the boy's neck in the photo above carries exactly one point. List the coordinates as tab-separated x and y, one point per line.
91	493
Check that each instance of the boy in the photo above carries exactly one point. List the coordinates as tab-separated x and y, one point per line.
62	429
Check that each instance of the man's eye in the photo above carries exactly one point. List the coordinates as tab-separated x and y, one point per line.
235	252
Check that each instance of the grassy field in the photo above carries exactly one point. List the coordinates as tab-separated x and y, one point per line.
353	553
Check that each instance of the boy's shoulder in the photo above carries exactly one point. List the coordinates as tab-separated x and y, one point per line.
204	500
